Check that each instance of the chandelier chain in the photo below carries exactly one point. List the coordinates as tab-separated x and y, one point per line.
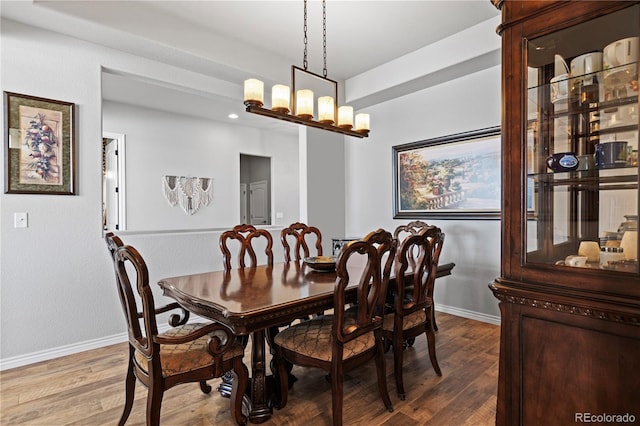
305	63
324	37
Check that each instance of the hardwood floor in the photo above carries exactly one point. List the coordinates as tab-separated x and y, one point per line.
88	389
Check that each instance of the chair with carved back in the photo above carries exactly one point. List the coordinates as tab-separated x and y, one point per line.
302	235
413	301
185	353
411	228
245	235
344	340
400	233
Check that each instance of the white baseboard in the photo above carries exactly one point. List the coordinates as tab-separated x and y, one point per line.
478	316
46	355
60	351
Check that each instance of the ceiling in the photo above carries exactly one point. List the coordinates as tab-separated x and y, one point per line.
234	40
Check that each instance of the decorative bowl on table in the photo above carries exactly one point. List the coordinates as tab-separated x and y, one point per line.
321	263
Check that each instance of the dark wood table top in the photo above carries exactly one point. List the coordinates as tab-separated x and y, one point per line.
259	297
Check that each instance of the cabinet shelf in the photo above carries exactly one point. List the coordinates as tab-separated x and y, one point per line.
613	175
587	180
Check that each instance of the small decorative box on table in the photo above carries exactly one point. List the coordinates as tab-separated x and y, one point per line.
338	243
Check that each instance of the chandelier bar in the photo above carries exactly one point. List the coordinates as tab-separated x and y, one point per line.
255	109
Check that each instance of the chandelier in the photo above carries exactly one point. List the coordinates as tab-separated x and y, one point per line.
330	116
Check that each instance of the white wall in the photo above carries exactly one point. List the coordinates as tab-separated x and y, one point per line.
160	143
57	290
468	103
325	161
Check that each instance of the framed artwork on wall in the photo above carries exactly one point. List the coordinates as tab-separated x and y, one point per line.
40	145
450	177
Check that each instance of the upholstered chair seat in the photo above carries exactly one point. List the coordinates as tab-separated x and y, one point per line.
312	339
408	322
190	356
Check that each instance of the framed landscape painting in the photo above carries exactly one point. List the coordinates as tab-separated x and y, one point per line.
40	139
450	177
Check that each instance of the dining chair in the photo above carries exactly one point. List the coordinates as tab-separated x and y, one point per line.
403	231
413	300
185	353
340	342
300	232
245	235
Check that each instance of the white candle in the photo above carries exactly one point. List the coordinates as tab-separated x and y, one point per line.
345	117
362	122
326	110
304	103
280	96
254	91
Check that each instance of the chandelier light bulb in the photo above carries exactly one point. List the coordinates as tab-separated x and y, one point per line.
304	103
254	91
280	97
362	122
326	110
345	117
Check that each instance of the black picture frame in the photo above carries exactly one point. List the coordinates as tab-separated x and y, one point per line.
40	145
456	176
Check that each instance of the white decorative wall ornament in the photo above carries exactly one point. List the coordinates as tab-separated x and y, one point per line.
190	192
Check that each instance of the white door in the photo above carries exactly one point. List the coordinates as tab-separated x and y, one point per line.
113	182
243	203
111	207
258	202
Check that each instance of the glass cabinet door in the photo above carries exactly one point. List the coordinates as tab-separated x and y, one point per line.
582	145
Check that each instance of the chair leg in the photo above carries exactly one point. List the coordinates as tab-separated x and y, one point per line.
204	387
382	376
130	390
337	391
240	381
433	317
154	404
398	348
431	342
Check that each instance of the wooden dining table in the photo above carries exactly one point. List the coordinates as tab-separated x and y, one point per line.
253	300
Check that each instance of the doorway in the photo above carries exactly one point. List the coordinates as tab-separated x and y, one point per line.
255	189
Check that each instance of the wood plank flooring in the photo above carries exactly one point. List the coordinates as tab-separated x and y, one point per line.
88	389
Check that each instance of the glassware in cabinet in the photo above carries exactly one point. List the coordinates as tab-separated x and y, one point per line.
582	141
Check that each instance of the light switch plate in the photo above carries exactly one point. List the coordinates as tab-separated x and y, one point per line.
20	220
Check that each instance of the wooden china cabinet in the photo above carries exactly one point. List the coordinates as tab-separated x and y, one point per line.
570	331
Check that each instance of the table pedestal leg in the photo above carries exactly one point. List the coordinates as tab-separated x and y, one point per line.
261	409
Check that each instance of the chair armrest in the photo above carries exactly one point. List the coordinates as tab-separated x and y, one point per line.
217	344
175	319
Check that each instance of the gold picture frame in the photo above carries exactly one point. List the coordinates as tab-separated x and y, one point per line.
40	145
